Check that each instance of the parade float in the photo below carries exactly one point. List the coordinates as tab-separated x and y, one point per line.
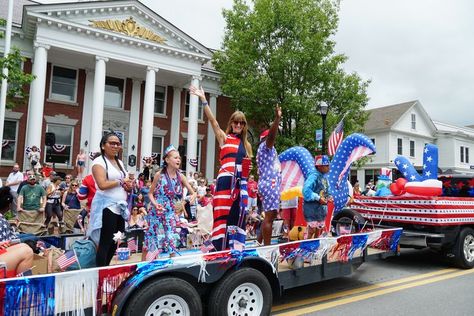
434	211
240	281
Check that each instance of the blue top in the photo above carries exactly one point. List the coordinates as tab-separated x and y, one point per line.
313	185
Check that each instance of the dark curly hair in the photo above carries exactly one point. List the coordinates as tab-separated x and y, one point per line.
6	199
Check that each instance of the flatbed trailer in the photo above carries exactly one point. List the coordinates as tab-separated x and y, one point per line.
220	283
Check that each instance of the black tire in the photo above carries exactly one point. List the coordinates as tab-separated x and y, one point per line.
172	295
464	249
347	221
245	291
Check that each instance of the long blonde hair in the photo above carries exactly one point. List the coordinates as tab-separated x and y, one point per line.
239	116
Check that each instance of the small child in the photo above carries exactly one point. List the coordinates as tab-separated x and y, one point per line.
182	227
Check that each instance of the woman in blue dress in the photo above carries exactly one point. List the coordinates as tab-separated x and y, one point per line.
166	194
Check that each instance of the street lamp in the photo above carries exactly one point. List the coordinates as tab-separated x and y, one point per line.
323	111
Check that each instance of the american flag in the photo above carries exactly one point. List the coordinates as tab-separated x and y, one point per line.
207	246
336	138
68	258
132	244
151	255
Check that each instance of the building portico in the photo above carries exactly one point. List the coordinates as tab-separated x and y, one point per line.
115	65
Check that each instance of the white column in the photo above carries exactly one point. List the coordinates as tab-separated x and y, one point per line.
134	119
192	126
98	104
87	112
148	112
211	142
34	125
6	51
175	117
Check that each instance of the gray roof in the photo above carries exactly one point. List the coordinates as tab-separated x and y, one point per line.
385	117
17	10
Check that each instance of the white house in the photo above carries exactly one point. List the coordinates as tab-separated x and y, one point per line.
404	129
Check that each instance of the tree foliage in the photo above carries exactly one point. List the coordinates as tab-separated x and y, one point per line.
17	79
282	51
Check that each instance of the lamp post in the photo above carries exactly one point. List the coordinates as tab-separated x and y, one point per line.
323	111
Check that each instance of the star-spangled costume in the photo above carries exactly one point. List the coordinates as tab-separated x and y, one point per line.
6	232
269	176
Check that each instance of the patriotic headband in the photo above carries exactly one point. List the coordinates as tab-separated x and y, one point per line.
169	149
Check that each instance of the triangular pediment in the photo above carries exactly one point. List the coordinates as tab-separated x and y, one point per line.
129	19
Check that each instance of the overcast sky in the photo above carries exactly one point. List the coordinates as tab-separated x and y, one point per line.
410	50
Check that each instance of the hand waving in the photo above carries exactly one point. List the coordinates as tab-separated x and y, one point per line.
197	91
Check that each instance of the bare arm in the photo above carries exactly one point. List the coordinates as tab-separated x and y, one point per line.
274	128
220	134
185	182
100	177
152	189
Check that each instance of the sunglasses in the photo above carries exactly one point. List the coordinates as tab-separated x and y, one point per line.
118	144
74	185
242	123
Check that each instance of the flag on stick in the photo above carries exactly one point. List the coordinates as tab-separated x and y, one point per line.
336	138
151	255
67	259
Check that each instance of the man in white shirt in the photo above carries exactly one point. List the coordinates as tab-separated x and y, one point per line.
13	181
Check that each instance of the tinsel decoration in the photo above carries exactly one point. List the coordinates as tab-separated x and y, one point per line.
76	291
109	281
358	242
30	296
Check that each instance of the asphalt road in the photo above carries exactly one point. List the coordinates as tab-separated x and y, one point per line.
418	282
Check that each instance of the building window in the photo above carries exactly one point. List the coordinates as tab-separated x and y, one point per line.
61	151
412	148
184	159
157	148
63	84
10	132
413	121
186	110
399	146
113	97
160	100
464	151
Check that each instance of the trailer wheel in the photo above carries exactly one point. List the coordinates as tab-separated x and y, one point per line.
464	249
166	296
347	221
244	292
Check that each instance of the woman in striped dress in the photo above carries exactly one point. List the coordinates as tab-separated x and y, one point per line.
234	148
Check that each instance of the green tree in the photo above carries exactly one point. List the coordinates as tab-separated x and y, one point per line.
16	78
282	51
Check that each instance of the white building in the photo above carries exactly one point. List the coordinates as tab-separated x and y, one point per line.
115	65
404	129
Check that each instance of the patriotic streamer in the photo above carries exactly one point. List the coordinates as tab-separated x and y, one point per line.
358	242
269	254
388	240
76	291
144	268
325	246
288	251
341	251
32	296
109	282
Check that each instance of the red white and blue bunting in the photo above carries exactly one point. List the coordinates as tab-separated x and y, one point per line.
94	288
